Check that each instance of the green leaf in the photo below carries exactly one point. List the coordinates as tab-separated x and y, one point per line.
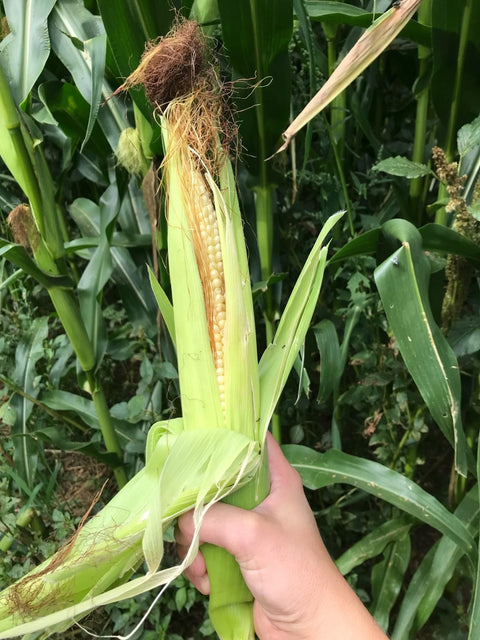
130	25
434	573
84	409
71	21
55	437
387	579
319	470
134	289
437	237
336	12
255	33
164	304
90	287
464	336
402	281
468	137
71	111
363	244
28	353
400	166
20	258
330	359
373	544
86	64
256	36
24	52
278	358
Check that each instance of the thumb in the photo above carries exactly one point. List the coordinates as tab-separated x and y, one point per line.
230	527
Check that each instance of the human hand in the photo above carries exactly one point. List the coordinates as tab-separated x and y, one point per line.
299	593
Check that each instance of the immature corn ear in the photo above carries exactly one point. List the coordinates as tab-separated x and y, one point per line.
227	397
129	153
210	287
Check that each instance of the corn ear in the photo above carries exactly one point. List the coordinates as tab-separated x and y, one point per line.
215	449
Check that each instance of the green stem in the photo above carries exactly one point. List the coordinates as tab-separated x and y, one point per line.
419	143
462	48
23	520
29	168
55	414
107	429
15	155
338	106
343	181
263	190
441	217
264	221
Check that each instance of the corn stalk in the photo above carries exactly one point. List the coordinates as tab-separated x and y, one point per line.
41	223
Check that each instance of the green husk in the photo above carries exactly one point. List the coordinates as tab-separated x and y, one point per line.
216	450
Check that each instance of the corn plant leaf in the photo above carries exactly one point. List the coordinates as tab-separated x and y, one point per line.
130	25
434	573
330	360
164	304
373	544
90	288
370	45
85	410
18	256
257	36
438	237
435	237
24	52
125	272
134	217
55	438
323	469
402	281
79	40
29	351
332	11
278	358
205	12
70	111
387	579
97	274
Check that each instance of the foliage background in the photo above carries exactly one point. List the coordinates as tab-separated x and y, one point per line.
359	404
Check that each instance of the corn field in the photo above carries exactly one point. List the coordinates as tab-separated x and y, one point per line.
217	219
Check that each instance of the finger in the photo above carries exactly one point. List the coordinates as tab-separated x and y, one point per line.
201	583
283	477
198	568
184	529
230	527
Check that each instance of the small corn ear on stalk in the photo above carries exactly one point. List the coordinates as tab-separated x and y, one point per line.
215	450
